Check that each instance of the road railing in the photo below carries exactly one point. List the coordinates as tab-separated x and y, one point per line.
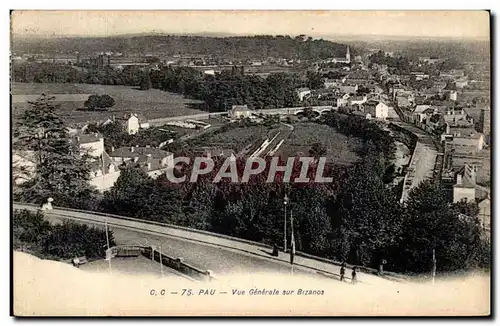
148	226
178	264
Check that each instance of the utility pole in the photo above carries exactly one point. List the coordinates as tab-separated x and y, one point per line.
292	242
107	242
161	262
284	227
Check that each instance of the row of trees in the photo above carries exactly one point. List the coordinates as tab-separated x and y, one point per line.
220	48
219	92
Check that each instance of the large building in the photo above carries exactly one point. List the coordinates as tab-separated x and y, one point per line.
466	139
92	144
240	112
153	161
377	109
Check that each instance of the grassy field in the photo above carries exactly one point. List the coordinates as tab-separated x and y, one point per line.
340	149
151	103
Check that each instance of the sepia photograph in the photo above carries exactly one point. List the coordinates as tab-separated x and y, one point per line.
250	163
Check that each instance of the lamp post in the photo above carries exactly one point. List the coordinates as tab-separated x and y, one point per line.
107	243
433	272
285	202
161	262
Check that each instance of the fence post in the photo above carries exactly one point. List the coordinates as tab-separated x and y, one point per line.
209	275
178	263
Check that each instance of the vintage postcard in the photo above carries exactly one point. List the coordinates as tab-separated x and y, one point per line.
251	163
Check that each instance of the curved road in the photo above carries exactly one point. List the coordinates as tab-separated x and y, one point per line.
218	259
220	254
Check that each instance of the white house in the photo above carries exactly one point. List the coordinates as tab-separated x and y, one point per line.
330	83
104	173
240	112
465	186
453	95
303	93
357	100
343	100
92	144
133	125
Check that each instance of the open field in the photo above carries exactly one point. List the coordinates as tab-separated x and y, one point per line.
340	149
151	103
240	137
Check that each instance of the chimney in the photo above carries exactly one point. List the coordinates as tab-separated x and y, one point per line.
149	166
112	149
132	149
97	134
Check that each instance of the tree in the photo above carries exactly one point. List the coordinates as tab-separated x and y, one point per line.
317	150
309	113
367	217
62	172
99	102
69	240
431	223
106	101
314	80
92	102
28	228
129	193
467	208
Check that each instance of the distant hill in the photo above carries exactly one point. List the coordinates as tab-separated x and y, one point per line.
236	47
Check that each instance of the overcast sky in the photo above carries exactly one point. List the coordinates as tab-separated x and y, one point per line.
460	24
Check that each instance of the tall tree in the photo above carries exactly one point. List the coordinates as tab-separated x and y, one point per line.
433	224
62	172
145	82
129	193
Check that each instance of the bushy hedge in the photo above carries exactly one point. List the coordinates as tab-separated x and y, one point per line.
67	240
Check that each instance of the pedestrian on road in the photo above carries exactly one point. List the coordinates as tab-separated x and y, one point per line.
275	250
342	272
354	279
